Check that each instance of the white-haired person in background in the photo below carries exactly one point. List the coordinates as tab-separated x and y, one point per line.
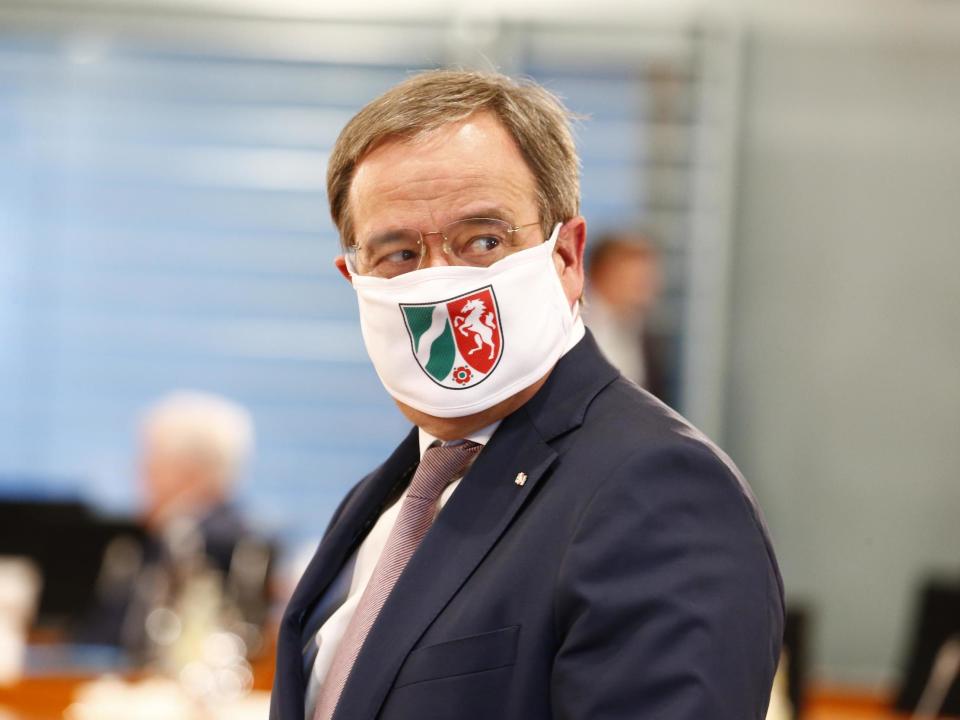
194	447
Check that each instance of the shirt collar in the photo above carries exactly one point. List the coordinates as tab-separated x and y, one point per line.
481	437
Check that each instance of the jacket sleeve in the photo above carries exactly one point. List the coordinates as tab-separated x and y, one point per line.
669	604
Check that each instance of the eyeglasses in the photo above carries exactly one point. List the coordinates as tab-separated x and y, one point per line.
474	241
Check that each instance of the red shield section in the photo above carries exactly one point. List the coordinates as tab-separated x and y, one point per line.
476	327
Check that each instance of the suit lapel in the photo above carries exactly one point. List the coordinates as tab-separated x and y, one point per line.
470	524
356	517
464	532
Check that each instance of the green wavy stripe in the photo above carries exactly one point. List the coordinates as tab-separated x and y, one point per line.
442	354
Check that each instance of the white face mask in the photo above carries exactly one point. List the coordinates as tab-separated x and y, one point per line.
455	340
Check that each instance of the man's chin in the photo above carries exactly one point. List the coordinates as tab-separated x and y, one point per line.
455	428
447	428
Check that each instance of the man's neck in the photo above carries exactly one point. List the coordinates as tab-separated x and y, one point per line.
461	427
480	437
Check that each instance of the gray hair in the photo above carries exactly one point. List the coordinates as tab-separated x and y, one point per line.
535	118
202	427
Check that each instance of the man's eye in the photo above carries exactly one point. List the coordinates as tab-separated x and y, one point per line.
399	257
483	244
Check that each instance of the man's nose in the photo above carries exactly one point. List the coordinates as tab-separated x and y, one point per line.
435	251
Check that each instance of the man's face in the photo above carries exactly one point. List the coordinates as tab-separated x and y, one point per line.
468	169
630	283
175	482
165	475
471	168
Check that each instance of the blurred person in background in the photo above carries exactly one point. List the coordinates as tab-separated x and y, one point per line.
548	541
194	447
624	281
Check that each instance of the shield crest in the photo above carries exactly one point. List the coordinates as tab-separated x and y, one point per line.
457	342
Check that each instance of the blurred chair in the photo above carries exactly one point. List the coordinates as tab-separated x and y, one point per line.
67	543
796	635
931	683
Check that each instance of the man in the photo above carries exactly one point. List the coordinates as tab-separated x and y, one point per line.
549	541
193	449
623	285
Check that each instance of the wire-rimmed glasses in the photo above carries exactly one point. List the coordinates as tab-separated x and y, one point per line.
472	241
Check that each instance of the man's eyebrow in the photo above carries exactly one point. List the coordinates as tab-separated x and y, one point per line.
385	236
485	211
489	211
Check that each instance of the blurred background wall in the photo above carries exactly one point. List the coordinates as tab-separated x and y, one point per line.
163	224
844	387
166	222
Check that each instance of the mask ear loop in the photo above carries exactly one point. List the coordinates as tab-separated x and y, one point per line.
552	241
348	260
554	236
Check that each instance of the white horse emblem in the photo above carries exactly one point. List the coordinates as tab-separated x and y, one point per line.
474	319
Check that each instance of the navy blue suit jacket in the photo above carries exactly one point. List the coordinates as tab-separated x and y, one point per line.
630	576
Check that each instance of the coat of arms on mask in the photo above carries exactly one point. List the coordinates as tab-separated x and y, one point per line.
457	342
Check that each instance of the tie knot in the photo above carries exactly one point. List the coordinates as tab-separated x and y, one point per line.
441	465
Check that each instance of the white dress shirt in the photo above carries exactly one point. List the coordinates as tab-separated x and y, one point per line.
350	583
340	601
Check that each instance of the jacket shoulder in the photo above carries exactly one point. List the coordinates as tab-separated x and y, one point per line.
625	423
633	445
667	553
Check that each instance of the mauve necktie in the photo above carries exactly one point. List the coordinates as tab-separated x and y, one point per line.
440	466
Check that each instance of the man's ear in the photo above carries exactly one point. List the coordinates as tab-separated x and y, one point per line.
341	264
568	257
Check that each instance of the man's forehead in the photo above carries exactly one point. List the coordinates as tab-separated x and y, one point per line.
482	133
464	167
469	127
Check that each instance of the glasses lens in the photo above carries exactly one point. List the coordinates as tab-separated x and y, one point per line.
390	254
480	241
